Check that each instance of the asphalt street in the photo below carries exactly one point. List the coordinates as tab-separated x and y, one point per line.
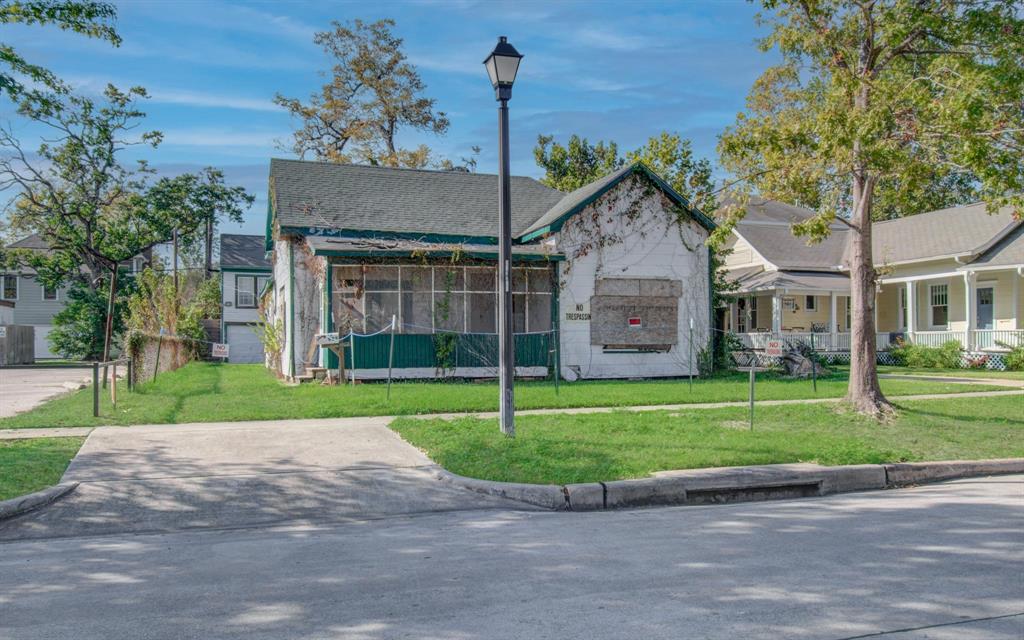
938	562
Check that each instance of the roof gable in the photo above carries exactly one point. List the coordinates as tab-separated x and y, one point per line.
573	203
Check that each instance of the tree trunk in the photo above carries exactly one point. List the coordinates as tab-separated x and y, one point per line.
864	392
108	331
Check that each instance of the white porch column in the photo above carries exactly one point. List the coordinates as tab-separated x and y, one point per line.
1016	300
833	326
970	321
911	310
776	313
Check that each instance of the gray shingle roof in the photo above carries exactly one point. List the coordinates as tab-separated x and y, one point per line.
955	231
750	282
570	201
32	241
239	251
362	198
779	246
1009	251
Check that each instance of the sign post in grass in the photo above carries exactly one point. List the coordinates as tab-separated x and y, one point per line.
391	354
751	394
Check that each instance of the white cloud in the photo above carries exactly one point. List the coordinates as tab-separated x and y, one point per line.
207	99
210	137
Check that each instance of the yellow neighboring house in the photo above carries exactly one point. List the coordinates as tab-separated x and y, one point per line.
951	274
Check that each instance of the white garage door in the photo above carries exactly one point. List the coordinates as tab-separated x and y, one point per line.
245	345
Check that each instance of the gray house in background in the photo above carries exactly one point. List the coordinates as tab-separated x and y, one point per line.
245	271
35	304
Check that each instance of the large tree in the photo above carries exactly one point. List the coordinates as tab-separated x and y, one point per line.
669	155
881	92
87	17
373	93
94	212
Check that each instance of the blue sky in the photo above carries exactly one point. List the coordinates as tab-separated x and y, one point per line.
619	71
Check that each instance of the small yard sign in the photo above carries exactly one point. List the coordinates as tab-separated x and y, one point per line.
773	348
220	350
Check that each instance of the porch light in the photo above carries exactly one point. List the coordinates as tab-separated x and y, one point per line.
502	66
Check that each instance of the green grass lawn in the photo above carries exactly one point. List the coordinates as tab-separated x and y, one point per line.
563	449
953	373
34	464
201	392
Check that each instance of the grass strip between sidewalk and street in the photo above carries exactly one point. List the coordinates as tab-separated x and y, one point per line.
34	464
205	392
569	448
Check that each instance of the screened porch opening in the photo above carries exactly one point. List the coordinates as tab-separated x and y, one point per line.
440	299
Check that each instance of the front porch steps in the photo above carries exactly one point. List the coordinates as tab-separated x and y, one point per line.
312	374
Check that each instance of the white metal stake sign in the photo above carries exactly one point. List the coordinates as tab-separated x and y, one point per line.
691	354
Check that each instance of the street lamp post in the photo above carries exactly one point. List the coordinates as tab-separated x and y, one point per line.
502	65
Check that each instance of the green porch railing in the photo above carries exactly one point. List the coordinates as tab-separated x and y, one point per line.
471	350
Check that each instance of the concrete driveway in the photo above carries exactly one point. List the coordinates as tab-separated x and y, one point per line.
23	389
227	475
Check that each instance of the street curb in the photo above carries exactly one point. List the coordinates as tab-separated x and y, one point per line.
908	473
548	496
32	501
732	484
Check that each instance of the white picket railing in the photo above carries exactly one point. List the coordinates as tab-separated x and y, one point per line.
987	339
998	339
821	341
938	338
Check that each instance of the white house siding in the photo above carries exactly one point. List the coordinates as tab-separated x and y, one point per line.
652	246
233	314
280	307
294	265
245	346
31	309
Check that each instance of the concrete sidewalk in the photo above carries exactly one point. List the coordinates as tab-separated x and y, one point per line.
229	475
994	382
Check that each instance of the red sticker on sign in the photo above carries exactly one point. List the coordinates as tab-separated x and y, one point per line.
634	322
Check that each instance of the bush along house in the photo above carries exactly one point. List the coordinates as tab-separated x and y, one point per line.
607	280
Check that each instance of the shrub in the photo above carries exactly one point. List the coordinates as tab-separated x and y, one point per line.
946	356
78	328
1015	358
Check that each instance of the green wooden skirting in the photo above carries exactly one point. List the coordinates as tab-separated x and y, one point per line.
471	350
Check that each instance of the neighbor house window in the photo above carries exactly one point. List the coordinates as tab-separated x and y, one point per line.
49	293
811	304
138	264
245	292
426	299
10	286
938	299
261	284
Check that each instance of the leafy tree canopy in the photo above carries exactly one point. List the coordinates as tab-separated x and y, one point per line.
372	94
669	155
87	17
